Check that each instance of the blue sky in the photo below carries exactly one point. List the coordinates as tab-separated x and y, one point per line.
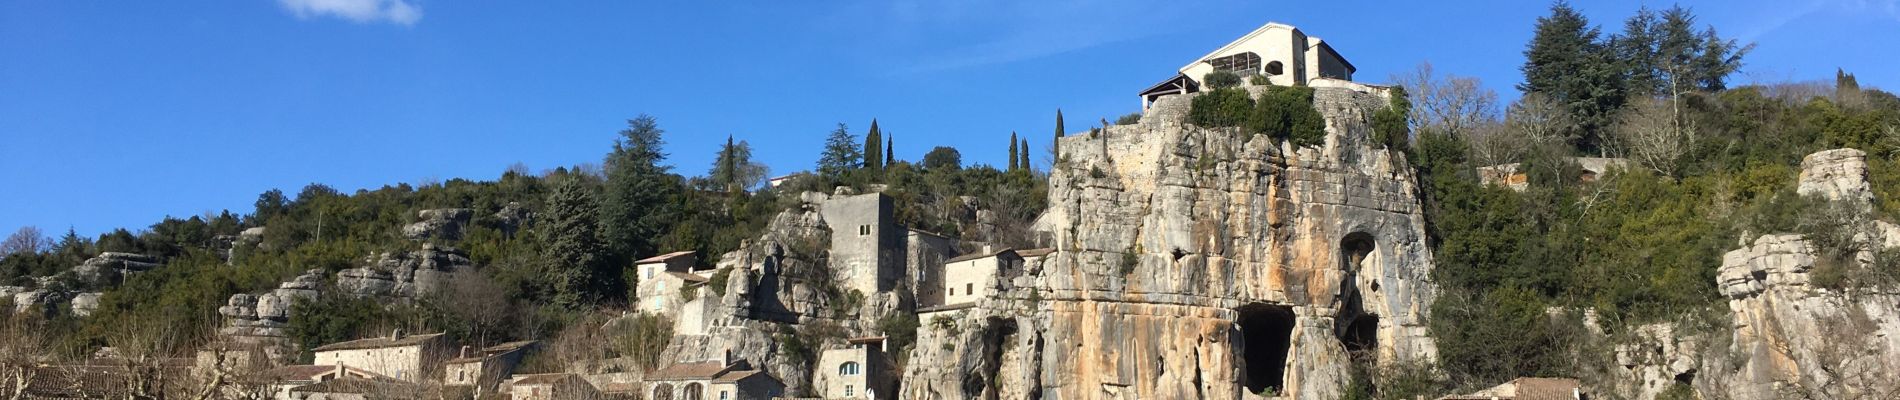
116	114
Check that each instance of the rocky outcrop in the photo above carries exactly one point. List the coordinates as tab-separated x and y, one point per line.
1203	263
260	319
442	223
403	275
113	266
1782	336
512	218
1839	174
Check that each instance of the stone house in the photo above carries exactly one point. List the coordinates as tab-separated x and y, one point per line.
282	379
970	277
412	358
1507	175
663	276
925	253
557	386
865	239
486	370
727	379
860	370
1281	53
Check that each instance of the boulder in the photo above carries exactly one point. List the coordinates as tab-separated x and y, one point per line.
443	223
1839	175
83	304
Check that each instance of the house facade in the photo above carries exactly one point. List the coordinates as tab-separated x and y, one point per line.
661	278
970	277
1281	53
711	380
486	370
557	386
860	370
411	358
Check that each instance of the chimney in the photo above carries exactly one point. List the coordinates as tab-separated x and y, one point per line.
395	334
339	371
726	358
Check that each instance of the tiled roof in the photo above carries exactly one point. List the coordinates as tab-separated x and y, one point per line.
973	256
298	372
664	257
545	379
735	376
689	371
359	386
689	277
865	339
378	342
495	350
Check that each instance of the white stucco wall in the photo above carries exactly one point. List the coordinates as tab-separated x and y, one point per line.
831	384
396	362
969	280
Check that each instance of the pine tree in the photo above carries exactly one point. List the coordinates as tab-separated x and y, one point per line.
1636	49
890	156
1024	152
1566	63
841	153
1012	151
573	258
636	207
872	142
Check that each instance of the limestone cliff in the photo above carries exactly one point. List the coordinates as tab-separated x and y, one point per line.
1782	335
1196	262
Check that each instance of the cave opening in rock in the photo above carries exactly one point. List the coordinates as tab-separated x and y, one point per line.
1265	335
1361	337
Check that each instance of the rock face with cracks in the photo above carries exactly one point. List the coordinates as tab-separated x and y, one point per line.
1199	262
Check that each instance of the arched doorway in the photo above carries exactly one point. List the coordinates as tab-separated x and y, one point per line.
662	391
1358	327
693	391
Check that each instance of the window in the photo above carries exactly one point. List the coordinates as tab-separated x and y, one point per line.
969	288
847	391
1246	63
725	395
649	272
848	369
953	291
1276	68
864	230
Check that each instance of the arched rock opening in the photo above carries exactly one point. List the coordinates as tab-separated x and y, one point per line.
1358	328
1265	333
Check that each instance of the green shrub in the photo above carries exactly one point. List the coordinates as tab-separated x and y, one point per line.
1287	113
1221	108
1220	80
1258	79
718	281
1130	119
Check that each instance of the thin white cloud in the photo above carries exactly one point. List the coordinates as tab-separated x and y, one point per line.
363	11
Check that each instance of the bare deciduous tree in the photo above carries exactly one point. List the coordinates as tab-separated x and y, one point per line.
23	347
1447	103
1650	133
28	239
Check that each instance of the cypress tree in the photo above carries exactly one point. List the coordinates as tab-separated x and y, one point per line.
872	148
890	156
1055	145
1012	151
1024	164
